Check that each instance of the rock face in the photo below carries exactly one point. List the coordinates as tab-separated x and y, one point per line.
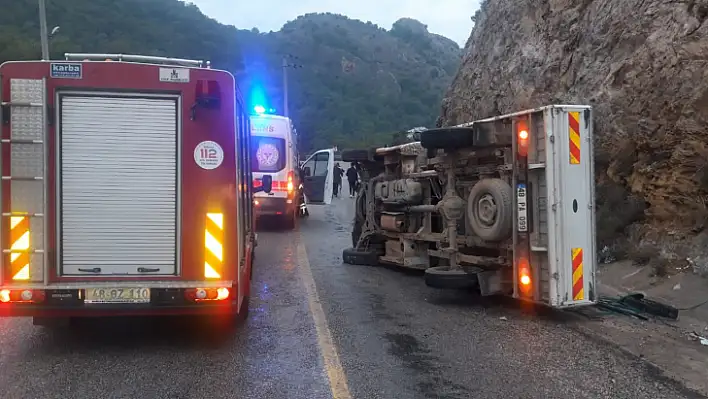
643	66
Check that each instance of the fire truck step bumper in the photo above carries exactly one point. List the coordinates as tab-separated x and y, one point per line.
74	303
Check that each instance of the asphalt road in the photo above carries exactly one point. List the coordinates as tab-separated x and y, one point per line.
321	329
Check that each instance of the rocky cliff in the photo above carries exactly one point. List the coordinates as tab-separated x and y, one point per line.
642	65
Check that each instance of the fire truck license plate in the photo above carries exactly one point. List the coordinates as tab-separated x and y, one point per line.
117	295
521	210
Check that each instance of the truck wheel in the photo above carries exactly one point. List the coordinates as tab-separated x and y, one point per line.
489	209
289	221
356	233
243	312
446	278
357	155
54	322
362	258
221	326
253	262
451	137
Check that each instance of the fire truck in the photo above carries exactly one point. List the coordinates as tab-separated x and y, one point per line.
126	189
504	205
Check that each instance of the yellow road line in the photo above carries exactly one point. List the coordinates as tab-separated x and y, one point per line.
333	367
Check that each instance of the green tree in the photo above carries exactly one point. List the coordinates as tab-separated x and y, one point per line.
354	84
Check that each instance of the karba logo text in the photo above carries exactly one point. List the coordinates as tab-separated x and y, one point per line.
66	68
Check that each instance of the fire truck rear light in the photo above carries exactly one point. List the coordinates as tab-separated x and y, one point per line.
21	296
256	203
222	293
523	135
207	294
525	280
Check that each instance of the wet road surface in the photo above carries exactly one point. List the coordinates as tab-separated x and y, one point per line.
321	329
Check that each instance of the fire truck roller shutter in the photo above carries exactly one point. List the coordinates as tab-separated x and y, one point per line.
118	182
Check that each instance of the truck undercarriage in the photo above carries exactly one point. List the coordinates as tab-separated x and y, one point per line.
470	206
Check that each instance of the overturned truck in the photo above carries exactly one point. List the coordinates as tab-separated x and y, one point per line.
504	205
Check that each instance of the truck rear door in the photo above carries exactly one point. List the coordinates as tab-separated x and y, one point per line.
571	208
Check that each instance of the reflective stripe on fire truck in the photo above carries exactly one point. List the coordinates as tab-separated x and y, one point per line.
213	248
574	133
577	259
19	249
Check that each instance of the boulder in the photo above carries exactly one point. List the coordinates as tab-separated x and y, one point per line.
641	64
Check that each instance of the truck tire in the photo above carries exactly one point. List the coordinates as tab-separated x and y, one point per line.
253	262
489	209
357	155
54	322
363	258
444	138
243	311
222	326
360	204
289	221
356	233
446	278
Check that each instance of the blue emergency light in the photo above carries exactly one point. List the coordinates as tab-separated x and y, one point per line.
260	110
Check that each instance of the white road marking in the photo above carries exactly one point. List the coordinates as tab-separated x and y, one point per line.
333	367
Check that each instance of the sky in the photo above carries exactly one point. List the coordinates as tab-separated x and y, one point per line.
450	18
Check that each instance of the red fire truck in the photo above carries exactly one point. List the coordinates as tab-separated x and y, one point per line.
125	188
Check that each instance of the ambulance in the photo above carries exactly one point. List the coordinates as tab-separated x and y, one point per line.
126	189
274	153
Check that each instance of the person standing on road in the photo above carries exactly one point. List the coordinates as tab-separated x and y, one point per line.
353	178
338	173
